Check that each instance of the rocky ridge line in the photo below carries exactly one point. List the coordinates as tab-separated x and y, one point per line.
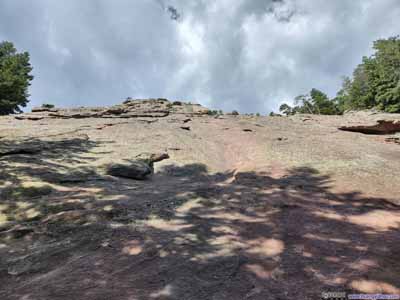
152	108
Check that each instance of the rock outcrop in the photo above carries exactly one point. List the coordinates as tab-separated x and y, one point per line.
43	109
380	127
152	108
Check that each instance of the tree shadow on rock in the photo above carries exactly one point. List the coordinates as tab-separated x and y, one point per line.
189	234
35	175
45	159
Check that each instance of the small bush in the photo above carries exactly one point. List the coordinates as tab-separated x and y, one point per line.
47	105
272	114
213	112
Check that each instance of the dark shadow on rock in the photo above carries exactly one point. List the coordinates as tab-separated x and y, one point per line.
55	160
27	196
190	234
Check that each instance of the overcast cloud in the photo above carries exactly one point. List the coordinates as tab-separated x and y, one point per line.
249	55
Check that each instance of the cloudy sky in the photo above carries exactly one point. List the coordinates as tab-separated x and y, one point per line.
249	55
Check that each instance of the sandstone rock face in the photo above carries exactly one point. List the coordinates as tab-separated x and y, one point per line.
151	108
246	207
31	117
43	109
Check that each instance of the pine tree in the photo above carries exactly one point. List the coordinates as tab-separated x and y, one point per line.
14	79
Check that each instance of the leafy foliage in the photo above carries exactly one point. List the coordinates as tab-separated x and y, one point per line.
14	78
47	105
375	84
316	102
215	112
376	81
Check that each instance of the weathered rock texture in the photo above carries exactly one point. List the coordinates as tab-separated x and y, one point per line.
244	208
154	108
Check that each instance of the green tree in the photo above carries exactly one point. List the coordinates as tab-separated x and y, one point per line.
316	102
343	96
14	78
285	109
385	79
303	105
376	81
322	104
361	92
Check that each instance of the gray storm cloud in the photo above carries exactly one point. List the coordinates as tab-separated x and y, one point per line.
228	54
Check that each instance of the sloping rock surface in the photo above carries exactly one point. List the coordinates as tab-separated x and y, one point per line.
245	207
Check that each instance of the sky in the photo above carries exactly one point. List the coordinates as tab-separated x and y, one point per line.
245	55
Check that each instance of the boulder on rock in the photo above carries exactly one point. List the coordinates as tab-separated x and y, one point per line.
140	168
